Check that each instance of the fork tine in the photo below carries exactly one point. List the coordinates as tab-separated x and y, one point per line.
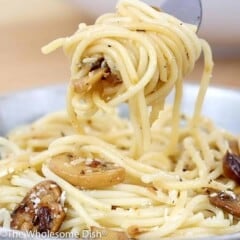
189	11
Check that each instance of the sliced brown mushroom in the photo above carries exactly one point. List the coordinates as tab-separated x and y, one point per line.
134	231
98	70
41	210
234	147
226	200
107	234
86	83
97	64
231	166
87	173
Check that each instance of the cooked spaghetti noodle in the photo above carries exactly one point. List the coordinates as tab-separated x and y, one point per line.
137	56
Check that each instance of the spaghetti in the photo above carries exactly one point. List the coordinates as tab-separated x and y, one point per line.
137	56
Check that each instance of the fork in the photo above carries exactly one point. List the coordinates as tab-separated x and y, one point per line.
189	11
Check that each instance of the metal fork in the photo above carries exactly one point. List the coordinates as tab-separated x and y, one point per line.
189	11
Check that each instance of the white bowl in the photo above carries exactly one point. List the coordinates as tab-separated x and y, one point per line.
17	109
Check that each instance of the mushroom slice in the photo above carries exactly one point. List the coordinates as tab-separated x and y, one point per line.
107	234
41	210
234	147
134	231
87	173
98	63
231	166
86	83
98	70
226	200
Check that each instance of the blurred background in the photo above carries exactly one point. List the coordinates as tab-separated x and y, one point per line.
25	26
